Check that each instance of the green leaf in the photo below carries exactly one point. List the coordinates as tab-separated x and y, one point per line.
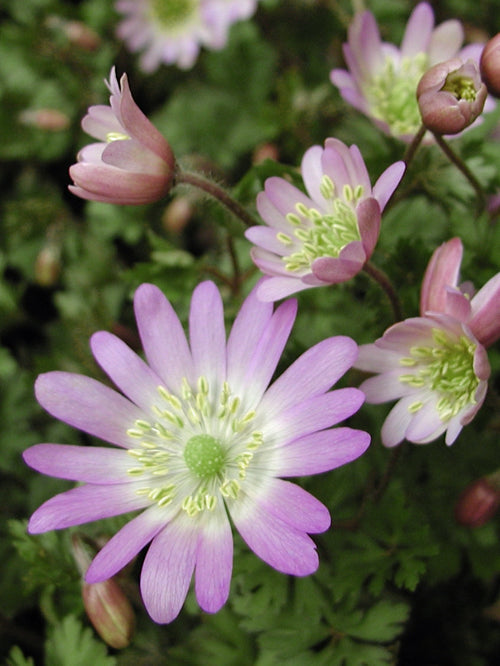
16	658
71	644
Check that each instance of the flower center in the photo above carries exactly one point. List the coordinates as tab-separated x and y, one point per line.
392	94
462	87
322	234
446	368
198	449
116	136
171	13
204	456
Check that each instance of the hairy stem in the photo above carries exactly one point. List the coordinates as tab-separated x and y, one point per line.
383	280
216	192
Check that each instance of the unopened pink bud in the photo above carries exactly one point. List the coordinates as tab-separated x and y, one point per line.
177	214
479	502
451	96
110	612
490	65
50	120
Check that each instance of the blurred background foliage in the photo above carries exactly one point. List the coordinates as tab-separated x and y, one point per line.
400	581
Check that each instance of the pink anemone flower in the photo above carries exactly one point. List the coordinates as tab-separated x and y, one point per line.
435	365
200	441
132	163
324	237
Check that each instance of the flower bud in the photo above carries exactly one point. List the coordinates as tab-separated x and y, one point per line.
479	501
110	612
107	607
451	96
490	65
50	120
48	265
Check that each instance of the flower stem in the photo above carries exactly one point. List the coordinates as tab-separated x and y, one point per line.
383	280
216	192
413	146
460	164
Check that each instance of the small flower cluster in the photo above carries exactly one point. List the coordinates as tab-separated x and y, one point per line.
201	437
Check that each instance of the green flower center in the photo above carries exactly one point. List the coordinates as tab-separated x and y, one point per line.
392	94
447	369
321	234
197	451
204	456
116	136
171	13
462	87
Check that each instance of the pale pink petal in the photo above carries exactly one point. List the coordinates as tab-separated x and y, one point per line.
286	549
386	386
247	330
168	568
313	373
312	172
163	337
373	359
207	334
87	404
316	413
369	220
127	370
418	31
445	41
267	354
387	183
320	452
139	127
214	562
485	319
128	542
293	506
332	270
92	464
130	155
396	424
276	288
85	504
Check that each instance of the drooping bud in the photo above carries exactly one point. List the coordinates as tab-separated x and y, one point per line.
490	65
79	34
451	96
110	612
479	501
48	265
105	603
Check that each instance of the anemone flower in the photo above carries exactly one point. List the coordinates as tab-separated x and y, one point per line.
435	365
326	237
132	163
200	438
382	79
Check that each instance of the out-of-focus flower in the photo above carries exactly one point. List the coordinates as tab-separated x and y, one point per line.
382	79
435	365
490	65
451	95
172	31
479	502
48	264
326	237
133	163
200	437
